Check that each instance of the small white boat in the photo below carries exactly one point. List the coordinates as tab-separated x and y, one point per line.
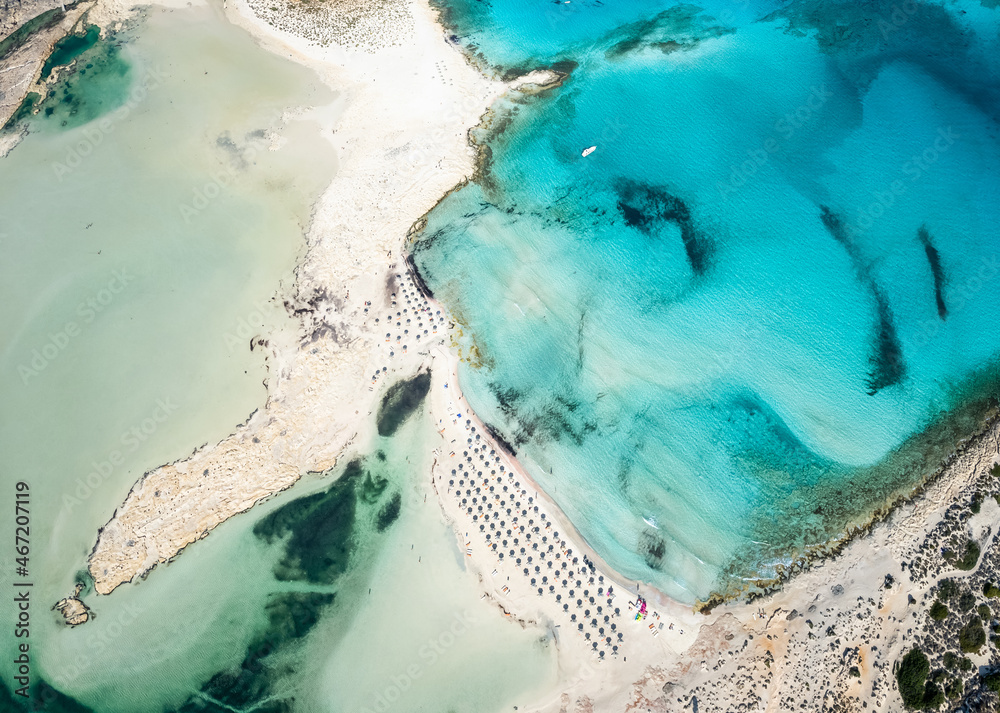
588	151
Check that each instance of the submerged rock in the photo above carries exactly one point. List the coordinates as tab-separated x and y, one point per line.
74	611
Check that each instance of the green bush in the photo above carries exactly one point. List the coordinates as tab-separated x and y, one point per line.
938	611
992	681
947	589
966	601
995	470
950	660
991	590
911	676
933	696
965	664
972	636
984	611
954	689
970	557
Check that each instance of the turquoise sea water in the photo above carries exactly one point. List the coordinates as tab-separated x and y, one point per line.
722	337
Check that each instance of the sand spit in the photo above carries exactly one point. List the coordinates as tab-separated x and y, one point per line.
402	144
357	322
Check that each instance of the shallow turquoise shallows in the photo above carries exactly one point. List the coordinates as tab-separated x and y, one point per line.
764	304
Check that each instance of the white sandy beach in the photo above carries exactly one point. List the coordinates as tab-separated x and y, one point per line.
410	99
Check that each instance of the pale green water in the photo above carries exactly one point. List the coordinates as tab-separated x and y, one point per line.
156	363
151	296
167	287
154	646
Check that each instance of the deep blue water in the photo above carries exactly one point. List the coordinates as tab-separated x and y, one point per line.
722	337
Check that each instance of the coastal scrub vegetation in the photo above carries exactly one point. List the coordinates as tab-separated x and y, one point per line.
947	589
911	676
969	558
933	696
966	601
991	590
938	611
972	636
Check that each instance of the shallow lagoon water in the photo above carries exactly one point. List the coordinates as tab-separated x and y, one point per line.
273	611
385	616
121	315
718	339
346	593
126	320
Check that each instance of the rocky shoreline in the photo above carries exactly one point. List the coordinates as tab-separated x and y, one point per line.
21	64
72	608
